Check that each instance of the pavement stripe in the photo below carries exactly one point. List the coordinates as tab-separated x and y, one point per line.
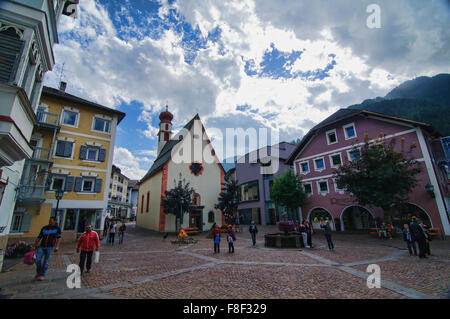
408	292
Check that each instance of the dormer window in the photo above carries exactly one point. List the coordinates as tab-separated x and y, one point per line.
331	137
349	131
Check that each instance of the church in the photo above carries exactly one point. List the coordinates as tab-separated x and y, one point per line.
186	157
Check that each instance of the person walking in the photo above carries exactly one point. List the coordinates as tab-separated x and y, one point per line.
231	238
302	230
106	228
428	238
49	238
308	233
409	239
327	229
253	231
216	238
419	236
112	232
87	242
122	230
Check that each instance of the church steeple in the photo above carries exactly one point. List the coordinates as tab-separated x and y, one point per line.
165	128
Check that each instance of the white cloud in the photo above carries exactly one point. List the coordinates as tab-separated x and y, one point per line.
101	66
130	164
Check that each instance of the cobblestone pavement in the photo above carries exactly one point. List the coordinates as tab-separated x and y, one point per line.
148	266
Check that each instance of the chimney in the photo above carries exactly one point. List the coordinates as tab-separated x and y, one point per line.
62	86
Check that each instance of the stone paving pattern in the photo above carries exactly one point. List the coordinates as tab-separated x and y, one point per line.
147	266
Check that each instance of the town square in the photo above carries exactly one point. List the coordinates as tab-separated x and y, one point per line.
234	150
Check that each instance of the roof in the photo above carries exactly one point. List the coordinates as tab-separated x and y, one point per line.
166	152
132	183
344	114
55	93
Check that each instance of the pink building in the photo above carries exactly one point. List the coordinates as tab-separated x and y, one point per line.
331	143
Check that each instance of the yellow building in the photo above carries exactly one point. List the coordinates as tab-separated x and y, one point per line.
73	146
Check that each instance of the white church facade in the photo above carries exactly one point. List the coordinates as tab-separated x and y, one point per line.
187	157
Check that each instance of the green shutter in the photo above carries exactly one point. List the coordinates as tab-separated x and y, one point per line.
26	223
10	51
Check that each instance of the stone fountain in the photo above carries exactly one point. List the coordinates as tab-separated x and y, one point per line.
287	238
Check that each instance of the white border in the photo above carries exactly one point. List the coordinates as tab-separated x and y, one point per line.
345	132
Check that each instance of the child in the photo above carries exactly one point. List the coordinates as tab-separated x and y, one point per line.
216	238
231	237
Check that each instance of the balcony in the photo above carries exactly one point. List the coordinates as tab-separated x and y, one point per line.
47	120
41	154
31	194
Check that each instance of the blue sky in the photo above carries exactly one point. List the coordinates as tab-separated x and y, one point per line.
276	64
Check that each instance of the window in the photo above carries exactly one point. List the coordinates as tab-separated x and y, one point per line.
16	225
70	220
88	185
319	164
196	199
69	118
335	160
58	183
92	154
64	149
353	155
349	131
336	188
323	186
148	201
249	191
211	217
308	188
331	137
142	204
102	125
304	167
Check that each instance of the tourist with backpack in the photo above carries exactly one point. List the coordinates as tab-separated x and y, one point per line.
216	238
49	238
231	238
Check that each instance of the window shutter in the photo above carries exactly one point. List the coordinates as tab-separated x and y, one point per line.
10	51
68	149
69	183
83	152
26	223
102	154
78	182
98	185
60	148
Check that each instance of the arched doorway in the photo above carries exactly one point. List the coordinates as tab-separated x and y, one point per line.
402	214
320	214
357	218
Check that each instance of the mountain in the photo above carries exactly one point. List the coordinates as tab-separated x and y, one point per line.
424	99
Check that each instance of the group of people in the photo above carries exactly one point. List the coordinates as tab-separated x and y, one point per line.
231	236
385	231
418	232
110	230
49	239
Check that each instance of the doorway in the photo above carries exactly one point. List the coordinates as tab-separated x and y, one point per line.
196	219
86	217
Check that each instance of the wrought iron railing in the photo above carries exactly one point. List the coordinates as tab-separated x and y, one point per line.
42	154
44	117
31	193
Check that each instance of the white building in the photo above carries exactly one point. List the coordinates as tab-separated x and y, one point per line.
28	30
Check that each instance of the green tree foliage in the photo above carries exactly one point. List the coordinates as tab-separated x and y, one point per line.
287	191
228	199
178	200
380	176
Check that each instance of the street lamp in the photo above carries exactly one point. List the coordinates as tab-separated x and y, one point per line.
430	190
181	213
58	195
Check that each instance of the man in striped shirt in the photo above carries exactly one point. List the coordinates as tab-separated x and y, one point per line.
49	238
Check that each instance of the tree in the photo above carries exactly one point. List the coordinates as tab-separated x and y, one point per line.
228	199
287	191
177	201
380	175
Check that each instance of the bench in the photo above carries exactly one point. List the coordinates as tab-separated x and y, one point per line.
435	232
192	231
374	231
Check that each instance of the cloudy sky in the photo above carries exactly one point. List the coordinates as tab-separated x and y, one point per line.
283	65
